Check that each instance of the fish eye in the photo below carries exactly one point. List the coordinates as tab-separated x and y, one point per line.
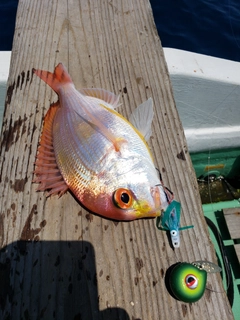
123	198
191	281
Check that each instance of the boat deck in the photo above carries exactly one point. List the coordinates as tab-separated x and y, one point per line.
233	223
59	261
223	222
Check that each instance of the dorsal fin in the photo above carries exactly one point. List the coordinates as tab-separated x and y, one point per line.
142	117
110	98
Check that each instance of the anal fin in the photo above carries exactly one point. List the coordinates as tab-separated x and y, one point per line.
46	171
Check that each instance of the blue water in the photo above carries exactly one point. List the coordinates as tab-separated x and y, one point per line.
8	9
209	27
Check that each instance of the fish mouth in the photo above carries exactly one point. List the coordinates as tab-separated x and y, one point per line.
156	195
160	200
162	196
151	208
154	206
149	214
154	213
146	210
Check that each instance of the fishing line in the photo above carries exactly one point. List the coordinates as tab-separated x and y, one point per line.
229	279
227	268
208	181
212	290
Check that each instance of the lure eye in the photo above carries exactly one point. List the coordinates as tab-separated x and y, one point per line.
173	233
123	198
191	281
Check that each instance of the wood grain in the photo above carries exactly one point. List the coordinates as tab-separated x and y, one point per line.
232	217
59	261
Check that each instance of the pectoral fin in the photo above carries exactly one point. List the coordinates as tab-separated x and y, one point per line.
142	117
88	105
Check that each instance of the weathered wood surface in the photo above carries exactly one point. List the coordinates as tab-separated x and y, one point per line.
237	249
232	217
57	260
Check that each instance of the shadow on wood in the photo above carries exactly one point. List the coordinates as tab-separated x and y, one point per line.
51	272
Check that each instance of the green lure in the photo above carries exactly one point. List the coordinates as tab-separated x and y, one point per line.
188	280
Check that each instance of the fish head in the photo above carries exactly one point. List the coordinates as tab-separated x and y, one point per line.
129	203
132	206
142	201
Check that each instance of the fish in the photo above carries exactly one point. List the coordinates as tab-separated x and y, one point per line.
90	149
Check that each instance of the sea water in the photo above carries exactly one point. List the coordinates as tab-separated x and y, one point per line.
209	27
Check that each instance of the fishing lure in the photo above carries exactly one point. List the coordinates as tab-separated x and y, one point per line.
188	280
170	221
88	147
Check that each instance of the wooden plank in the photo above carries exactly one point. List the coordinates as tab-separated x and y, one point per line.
237	249
232	217
57	260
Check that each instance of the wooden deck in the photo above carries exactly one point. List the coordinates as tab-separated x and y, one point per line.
232	217
57	260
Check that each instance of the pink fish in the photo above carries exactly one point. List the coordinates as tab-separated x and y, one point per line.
88	147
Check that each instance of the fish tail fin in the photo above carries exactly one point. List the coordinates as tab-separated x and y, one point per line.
56	79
